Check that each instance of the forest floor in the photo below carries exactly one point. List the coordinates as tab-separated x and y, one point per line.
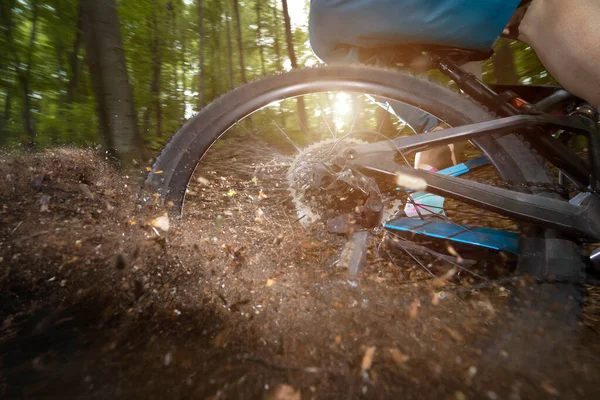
100	299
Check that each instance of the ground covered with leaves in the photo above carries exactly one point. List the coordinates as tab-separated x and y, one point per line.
103	297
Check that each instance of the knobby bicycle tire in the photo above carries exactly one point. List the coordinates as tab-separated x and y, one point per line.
545	255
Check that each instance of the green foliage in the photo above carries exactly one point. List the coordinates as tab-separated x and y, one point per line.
163	33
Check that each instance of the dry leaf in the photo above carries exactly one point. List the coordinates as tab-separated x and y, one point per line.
398	356
160	171
338	339
203	181
367	360
283	392
161	222
270	282
452	251
441	281
454	334
259	216
547	386
414	308
221	339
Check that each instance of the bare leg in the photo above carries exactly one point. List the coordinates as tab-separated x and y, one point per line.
565	34
445	156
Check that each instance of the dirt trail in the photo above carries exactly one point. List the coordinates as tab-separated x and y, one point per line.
98	299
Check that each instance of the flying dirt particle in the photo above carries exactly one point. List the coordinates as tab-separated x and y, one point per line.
44	203
259	216
221	339
338	339
367	360
203	181
435	299
138	289
414	308
78	243
161	222
454	334
282	392
270	282
168	359
472	371
398	357
120	262
85	190
441	281
547	386
453	251
460	395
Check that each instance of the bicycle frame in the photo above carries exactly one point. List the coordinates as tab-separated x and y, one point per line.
579	217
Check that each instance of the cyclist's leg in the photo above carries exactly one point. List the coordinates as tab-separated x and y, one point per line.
445	156
564	34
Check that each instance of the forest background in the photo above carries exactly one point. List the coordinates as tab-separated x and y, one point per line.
126	74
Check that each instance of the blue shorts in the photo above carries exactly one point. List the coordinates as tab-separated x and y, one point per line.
340	28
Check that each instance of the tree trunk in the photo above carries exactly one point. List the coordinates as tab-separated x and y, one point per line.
6	8
279	65
288	35
504	64
303	118
154	105
156	72
5	117
238	24
217	64
201	56
114	95
73	60
25	78
259	38
74	74
229	51
276	45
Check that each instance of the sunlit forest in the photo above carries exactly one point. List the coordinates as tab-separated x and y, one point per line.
177	56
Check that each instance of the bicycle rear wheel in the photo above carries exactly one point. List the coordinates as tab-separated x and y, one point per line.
545	255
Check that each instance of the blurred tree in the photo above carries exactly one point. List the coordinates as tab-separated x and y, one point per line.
238	25
165	59
229	50
24	74
259	38
302	116
504	64
114	96
201	56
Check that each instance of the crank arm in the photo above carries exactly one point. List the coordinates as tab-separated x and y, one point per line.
581	220
502	126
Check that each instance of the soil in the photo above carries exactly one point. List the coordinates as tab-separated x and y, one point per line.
99	298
